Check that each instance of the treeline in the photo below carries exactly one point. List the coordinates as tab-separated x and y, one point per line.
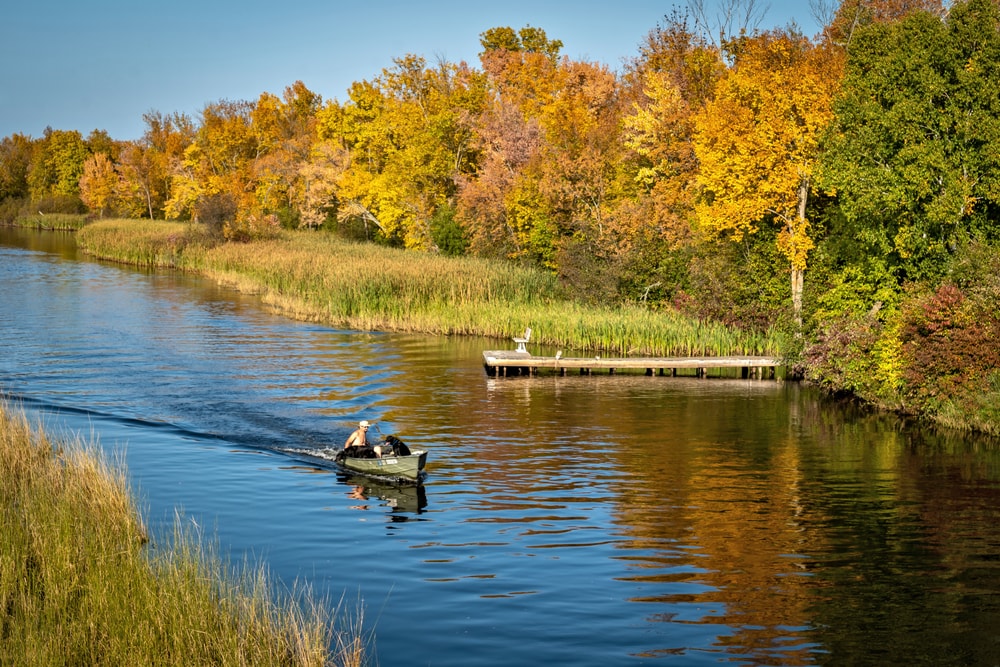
710	176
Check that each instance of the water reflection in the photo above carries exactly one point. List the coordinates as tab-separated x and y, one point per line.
400	498
565	520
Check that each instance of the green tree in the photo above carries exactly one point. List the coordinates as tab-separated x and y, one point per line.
57	164
15	163
912	154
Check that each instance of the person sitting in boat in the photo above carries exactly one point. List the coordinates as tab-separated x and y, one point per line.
357	444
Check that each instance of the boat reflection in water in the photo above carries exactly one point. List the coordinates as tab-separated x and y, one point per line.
402	498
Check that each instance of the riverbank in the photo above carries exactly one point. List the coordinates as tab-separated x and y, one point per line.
314	277
81	582
67	222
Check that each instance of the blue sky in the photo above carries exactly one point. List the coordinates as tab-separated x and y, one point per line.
102	64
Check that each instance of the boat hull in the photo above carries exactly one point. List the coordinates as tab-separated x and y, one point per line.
390	465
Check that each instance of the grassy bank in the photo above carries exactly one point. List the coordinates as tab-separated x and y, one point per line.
80	584
52	221
314	277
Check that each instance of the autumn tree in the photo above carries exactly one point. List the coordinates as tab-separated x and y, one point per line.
757	142
521	66
408	141
99	141
507	143
286	131
499	205
579	162
218	161
671	80
850	15
99	184
137	180
146	167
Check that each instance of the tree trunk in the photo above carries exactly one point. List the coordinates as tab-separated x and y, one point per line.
798	274
798	277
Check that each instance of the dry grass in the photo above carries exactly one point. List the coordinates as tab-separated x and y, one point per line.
81	584
314	277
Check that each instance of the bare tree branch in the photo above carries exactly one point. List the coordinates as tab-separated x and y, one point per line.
729	19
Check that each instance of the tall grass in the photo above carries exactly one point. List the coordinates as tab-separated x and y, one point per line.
79	584
312	276
60	221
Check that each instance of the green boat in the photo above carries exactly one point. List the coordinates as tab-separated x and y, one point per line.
409	466
397	460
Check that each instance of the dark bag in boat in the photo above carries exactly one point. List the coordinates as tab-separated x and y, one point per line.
396	446
356	453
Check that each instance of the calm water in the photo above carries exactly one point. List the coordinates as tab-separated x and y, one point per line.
564	521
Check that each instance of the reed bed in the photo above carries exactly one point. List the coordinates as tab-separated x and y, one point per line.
315	277
52	221
80	584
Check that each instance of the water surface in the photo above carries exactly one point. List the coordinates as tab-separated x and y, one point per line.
597	520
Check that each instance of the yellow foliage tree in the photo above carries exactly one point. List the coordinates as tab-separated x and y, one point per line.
757	141
98	183
670	82
407	140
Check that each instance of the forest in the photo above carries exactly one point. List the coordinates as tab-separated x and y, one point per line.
844	187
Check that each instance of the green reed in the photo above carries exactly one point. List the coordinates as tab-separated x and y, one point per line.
313	276
80	583
54	221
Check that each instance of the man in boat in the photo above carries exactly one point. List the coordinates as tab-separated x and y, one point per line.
357	443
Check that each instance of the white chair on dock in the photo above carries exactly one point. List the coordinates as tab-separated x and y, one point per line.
521	340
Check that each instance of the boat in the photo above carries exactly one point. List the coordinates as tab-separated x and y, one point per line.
410	466
397	461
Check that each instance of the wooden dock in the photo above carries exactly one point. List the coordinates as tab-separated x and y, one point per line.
512	362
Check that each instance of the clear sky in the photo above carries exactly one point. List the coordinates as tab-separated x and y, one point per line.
101	64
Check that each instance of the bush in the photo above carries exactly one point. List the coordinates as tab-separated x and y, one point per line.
10	209
858	354
214	211
951	358
70	204
252	227
447	234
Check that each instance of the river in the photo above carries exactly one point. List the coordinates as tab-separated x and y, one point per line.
580	520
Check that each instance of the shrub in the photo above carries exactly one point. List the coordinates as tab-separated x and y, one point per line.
951	356
59	204
252	227
858	355
447	234
214	211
